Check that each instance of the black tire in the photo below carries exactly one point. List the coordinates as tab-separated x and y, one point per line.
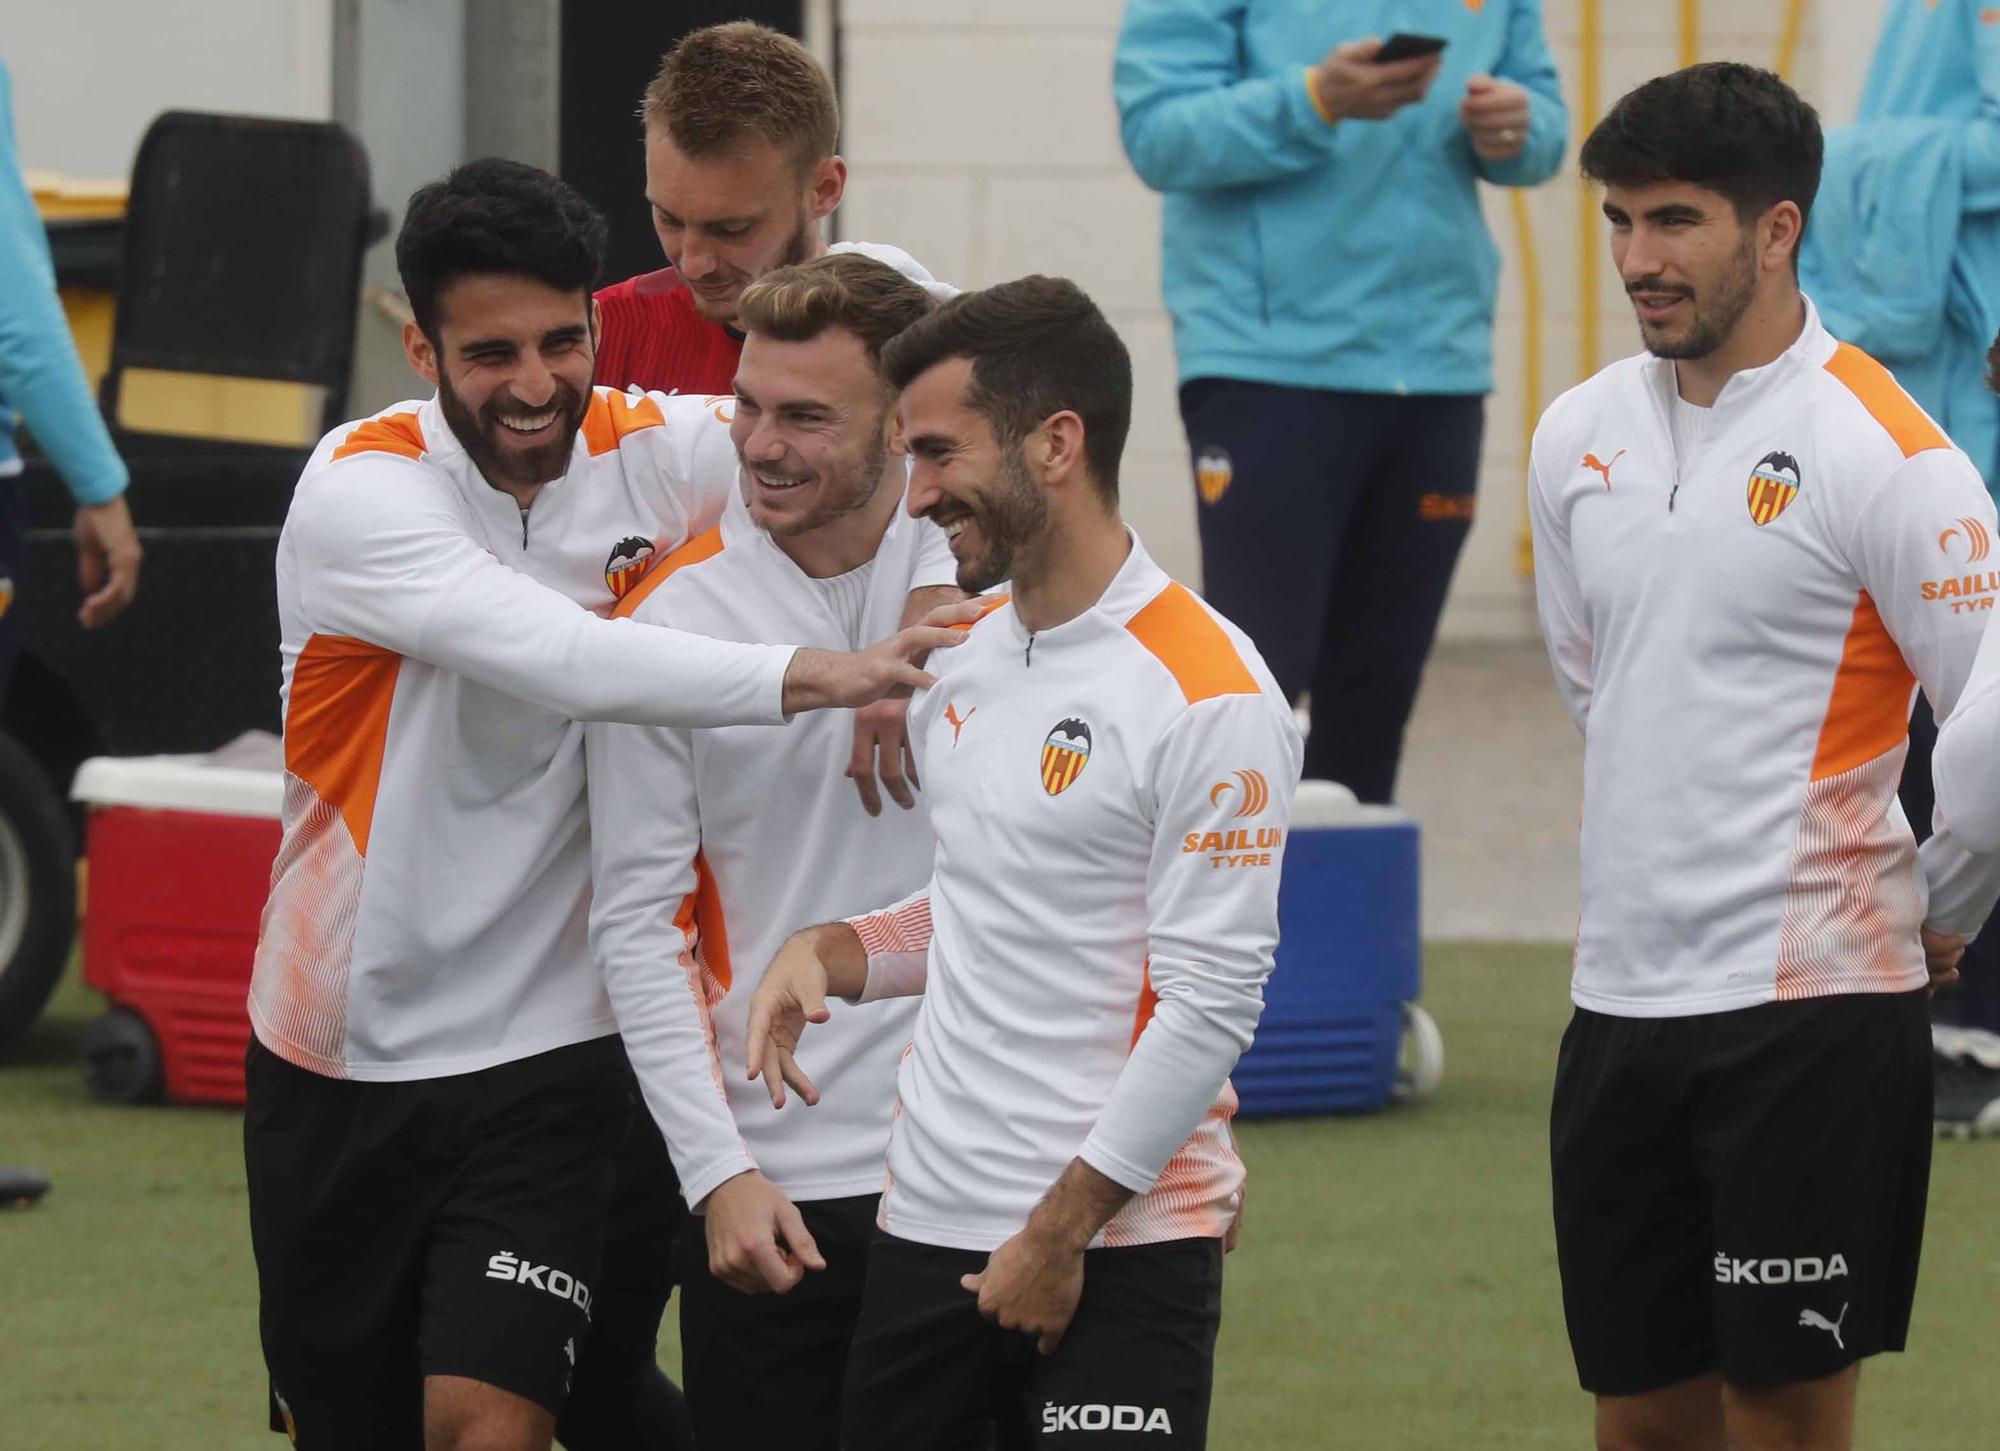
37	890
121	1059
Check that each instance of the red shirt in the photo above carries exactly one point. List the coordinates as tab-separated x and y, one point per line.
652	337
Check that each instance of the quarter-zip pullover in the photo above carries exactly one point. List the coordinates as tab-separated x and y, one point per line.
1738	632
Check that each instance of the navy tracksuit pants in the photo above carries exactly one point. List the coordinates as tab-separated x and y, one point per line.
1330	525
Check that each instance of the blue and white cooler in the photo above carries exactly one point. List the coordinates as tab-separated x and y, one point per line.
1341	1031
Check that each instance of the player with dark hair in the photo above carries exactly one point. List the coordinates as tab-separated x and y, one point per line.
435	1085
1061	1172
1737	551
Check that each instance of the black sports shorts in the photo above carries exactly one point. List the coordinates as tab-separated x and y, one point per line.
928	1373
1741	1192
441	1226
766	1370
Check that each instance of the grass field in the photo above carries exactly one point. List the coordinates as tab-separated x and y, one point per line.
1395	1288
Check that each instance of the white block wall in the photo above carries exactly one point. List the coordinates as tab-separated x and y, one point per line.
982	136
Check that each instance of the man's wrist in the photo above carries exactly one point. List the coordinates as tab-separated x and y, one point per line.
1077	1206
841	956
1316	93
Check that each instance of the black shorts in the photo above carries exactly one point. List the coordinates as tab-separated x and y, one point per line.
442	1226
1741	1192
928	1373
766	1370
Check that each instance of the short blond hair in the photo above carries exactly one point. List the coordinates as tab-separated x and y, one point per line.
843	290
723	83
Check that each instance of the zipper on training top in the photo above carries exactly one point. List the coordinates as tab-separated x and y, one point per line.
1028	655
524	529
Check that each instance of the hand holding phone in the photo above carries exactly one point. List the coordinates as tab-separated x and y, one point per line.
1404	45
1357	81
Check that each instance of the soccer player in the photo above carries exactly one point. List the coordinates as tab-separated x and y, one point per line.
741	172
711	846
435	1085
740	128
1110	778
1749	550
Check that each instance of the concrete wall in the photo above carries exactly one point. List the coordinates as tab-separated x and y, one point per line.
89	75
982	137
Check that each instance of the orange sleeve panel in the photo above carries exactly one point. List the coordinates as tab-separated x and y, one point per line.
611	416
337	725
702	546
1185	638
1885	400
1869	710
397	433
700	921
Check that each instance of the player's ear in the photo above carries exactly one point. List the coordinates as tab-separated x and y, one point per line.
1058	447
827	184
419	352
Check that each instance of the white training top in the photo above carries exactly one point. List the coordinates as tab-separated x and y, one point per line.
427	904
1111	799
1738	633
711	847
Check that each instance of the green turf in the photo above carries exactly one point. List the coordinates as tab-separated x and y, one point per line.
1395	1288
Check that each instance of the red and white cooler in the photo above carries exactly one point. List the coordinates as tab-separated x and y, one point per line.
180	851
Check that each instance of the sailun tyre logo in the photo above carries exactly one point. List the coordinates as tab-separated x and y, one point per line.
1978	542
1064	755
1256	792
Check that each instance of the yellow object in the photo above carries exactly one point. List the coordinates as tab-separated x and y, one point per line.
1690	32
189	405
1531	362
1788	37
1590	42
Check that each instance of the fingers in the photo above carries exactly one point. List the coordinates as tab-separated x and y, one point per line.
893	780
792	1230
775	1272
910	766
972	1283
1050	1339
919	638
959	613
910	675
771	1064
790	1072
861	762
104	603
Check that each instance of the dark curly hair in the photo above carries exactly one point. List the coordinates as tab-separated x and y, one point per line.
495	215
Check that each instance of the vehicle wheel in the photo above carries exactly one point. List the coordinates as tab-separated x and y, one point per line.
1420	1068
121	1059
37	890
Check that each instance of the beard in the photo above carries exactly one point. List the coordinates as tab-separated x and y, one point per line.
486	438
1010	517
1714	318
840	494
798	248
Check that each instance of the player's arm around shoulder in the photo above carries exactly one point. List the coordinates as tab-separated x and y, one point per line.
679	444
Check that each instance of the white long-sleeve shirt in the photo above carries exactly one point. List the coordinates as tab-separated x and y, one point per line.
1738	634
427	904
711	847
1111	799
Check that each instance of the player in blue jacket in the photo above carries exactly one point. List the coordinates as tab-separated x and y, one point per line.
1332	282
42	382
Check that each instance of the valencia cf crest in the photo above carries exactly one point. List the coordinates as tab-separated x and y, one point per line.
1064	755
1774	483
1213	473
627	565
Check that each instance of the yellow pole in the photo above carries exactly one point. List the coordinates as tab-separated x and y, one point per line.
1788	37
1588	112
1690	32
1531	363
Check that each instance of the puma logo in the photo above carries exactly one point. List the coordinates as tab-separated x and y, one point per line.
957	721
1590	461
1817	1321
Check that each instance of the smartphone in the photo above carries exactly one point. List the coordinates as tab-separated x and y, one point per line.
1405	46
